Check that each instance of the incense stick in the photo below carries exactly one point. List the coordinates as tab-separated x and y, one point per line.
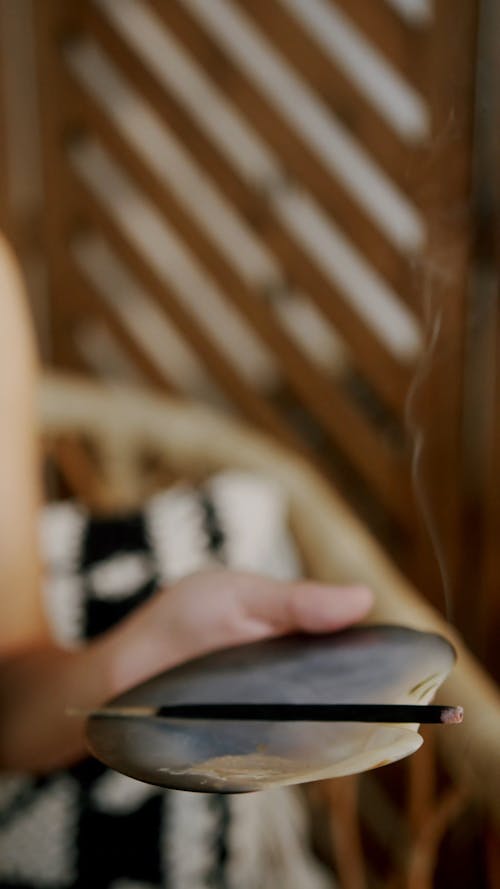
382	713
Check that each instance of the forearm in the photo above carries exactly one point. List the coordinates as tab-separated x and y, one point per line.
46	691
37	688
21	613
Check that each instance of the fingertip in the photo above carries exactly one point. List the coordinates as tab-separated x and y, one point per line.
356	595
359	596
322	607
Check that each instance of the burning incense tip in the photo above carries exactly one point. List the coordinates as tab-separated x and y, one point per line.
452	715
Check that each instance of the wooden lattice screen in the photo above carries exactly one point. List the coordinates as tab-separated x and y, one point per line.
264	204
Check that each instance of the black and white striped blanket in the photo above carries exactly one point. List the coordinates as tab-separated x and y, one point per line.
92	828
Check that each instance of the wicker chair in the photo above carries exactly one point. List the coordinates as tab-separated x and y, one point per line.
114	445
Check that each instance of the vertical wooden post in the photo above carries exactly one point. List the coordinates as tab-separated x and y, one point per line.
444	281
490	588
20	160
5	209
47	17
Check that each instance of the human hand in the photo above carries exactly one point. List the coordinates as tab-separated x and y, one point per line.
201	613
218	609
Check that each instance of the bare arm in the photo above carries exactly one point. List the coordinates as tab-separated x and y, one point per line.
21	615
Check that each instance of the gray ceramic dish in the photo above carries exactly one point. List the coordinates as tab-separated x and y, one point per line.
364	665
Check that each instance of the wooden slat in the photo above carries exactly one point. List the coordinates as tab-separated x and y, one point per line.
368	353
403	43
79	471
395	157
304	164
62	352
89	303
321	396
4	173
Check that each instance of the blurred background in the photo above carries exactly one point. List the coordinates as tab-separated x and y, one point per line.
288	209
